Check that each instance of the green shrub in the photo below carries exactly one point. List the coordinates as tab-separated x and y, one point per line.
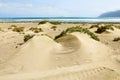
118	27
27	37
12	26
77	29
52	22
16	28
94	26
104	28
117	39
55	22
36	30
63	33
43	22
54	27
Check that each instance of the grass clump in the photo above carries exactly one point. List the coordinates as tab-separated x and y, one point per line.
43	22
52	22
54	27
118	27
16	28
77	29
104	28
117	39
55	22
27	37
94	26
36	30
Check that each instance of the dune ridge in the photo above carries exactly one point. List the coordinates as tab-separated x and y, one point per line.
84	52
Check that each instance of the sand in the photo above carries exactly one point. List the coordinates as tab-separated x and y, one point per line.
75	56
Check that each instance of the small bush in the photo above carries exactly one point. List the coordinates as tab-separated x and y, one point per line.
54	27
27	37
52	22
117	39
55	22
36	30
77	29
104	28
43	22
16	28
63	33
94	26
118	27
12	26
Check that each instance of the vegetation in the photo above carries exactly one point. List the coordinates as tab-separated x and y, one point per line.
43	22
16	28
52	22
118	27
104	28
77	29
117	39
36	30
55	22
27	37
94	26
54	27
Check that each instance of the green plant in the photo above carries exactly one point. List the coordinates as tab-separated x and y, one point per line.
52	22
27	37
54	27
117	39
118	27
43	22
16	28
94	26
77	29
36	30
55	22
104	28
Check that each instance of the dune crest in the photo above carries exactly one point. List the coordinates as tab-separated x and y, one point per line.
52	55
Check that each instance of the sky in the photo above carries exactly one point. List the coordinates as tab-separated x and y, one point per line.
56	8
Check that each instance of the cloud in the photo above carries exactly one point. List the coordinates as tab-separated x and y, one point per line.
29	9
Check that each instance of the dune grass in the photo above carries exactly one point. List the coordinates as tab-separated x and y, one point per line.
54	27
94	26
36	30
27	37
77	29
52	22
16	28
102	29
116	39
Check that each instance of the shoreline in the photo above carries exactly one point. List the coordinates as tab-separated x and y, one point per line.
61	22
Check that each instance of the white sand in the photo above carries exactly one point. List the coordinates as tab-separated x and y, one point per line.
74	57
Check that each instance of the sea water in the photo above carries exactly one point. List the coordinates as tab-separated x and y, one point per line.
61	19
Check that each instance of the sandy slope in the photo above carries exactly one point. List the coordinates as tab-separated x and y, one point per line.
73	57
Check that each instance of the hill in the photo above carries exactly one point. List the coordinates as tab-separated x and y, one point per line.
111	14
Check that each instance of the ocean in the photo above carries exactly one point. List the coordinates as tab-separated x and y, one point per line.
61	19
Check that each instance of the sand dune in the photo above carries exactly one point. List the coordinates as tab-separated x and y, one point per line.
84	50
74	56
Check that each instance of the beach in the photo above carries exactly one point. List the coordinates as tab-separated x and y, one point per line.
49	50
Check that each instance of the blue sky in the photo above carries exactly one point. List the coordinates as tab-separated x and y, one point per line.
65	8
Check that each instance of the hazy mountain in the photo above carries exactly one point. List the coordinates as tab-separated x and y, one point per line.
111	14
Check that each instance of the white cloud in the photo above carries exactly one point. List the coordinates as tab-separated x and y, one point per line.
29	9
